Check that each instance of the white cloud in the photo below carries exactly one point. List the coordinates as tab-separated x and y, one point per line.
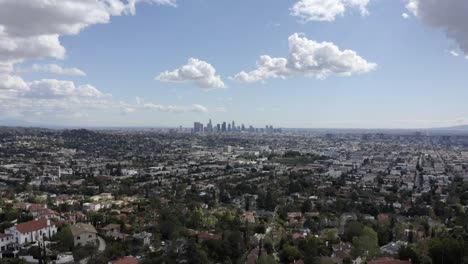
163	108
132	3
310	59
326	10
198	71
175	108
448	15
54	68
31	29
405	15
16	87
12	83
413	6
454	53
127	110
51	88
199	108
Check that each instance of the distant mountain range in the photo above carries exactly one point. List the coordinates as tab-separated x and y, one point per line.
22	123
454	128
17	123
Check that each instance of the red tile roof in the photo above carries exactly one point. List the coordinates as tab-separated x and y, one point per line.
30	226
126	260
388	261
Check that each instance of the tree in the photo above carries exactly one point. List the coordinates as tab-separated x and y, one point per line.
306	206
366	244
65	237
235	244
353	229
289	254
268	245
448	250
407	253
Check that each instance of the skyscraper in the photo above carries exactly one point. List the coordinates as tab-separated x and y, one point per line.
223	127
209	127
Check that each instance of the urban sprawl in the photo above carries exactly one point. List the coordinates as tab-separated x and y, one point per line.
223	194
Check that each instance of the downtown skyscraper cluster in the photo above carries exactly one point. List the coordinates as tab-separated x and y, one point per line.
225	127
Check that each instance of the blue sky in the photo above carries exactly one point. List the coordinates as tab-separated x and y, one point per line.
416	81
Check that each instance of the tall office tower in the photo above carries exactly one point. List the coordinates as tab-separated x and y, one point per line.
218	128
233	126
229	128
209	127
223	127
201	128
196	127
242	127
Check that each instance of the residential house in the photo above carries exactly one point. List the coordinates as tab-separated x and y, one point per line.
83	234
32	231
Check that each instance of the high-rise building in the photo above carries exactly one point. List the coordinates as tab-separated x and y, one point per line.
196	127
209	127
223	127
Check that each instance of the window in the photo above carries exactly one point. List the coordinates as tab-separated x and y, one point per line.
90	236
78	237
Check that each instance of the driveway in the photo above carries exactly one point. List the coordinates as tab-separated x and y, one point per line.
102	244
101	247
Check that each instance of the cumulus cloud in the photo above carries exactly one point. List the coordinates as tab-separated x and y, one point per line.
53	68
448	15
32	29
12	83
310	59
200	72
326	10
176	109
127	110
199	108
16	87
132	3
163	108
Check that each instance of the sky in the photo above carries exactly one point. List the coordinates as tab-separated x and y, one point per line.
288	63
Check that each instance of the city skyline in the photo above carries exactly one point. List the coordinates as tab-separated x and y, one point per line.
226	127
354	64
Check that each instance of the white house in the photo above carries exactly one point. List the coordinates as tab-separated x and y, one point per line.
5	240
31	231
83	234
